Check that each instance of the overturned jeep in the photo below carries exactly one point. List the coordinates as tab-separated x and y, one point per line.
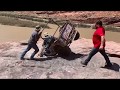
53	46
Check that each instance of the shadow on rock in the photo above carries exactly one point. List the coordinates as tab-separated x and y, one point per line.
114	55
73	56
115	67
43	58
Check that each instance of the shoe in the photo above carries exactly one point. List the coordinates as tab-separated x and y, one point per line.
84	64
43	56
108	65
32	58
22	59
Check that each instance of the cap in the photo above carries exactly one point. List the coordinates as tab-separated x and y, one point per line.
46	34
37	27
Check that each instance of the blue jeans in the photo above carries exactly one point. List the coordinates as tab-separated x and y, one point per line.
94	51
34	46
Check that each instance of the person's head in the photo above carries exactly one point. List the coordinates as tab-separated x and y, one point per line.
38	28
98	24
45	34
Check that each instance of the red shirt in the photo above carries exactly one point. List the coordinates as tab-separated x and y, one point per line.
97	37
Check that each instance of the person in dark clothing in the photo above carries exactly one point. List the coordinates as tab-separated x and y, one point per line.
32	43
47	41
99	45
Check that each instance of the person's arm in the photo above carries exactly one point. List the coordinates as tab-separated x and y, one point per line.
36	37
40	35
102	35
102	42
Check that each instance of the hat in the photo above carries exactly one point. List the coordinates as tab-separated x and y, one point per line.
45	34
37	27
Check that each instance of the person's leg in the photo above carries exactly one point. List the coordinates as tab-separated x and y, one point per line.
106	58
92	53
47	48
35	47
26	50
42	51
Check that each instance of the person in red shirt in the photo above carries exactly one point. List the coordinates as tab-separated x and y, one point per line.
99	44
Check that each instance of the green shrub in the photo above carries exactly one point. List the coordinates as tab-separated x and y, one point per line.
16	22
112	28
83	25
27	17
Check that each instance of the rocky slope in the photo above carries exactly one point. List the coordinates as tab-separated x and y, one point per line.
58	67
108	17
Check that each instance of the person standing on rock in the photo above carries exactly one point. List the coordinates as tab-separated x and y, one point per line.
32	43
99	45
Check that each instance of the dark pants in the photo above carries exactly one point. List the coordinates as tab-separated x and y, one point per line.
94	51
34	46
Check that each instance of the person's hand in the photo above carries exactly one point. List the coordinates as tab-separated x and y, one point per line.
101	48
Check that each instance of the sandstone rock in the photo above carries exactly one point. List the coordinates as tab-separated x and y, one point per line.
107	17
58	68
